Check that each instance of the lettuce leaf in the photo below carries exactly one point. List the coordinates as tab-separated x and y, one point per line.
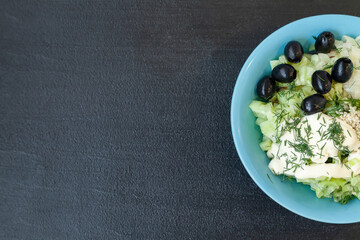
341	190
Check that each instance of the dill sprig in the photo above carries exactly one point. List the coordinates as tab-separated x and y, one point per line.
338	50
336	135
269	178
356	68
291	163
328	66
302	150
301	147
337	107
285	177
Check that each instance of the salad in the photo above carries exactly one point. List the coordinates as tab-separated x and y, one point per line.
309	115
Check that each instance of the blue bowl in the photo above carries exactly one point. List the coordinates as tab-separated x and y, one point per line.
296	197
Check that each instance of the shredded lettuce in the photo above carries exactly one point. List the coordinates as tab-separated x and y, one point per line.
341	190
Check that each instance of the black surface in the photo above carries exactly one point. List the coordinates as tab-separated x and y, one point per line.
114	120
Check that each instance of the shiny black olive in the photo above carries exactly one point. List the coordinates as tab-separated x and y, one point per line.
342	70
293	51
324	42
266	88
284	73
321	81
313	104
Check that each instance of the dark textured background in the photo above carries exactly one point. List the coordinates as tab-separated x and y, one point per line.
114	120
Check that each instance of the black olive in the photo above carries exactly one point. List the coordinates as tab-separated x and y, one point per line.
313	104
266	88
284	73
324	42
293	51
321	81
342	70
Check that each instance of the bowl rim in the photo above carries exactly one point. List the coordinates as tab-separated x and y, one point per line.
235	135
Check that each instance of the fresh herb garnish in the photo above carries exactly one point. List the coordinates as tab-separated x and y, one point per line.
336	135
320	77
337	107
321	150
338	50
328	66
357	43
348	132
292	164
302	147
